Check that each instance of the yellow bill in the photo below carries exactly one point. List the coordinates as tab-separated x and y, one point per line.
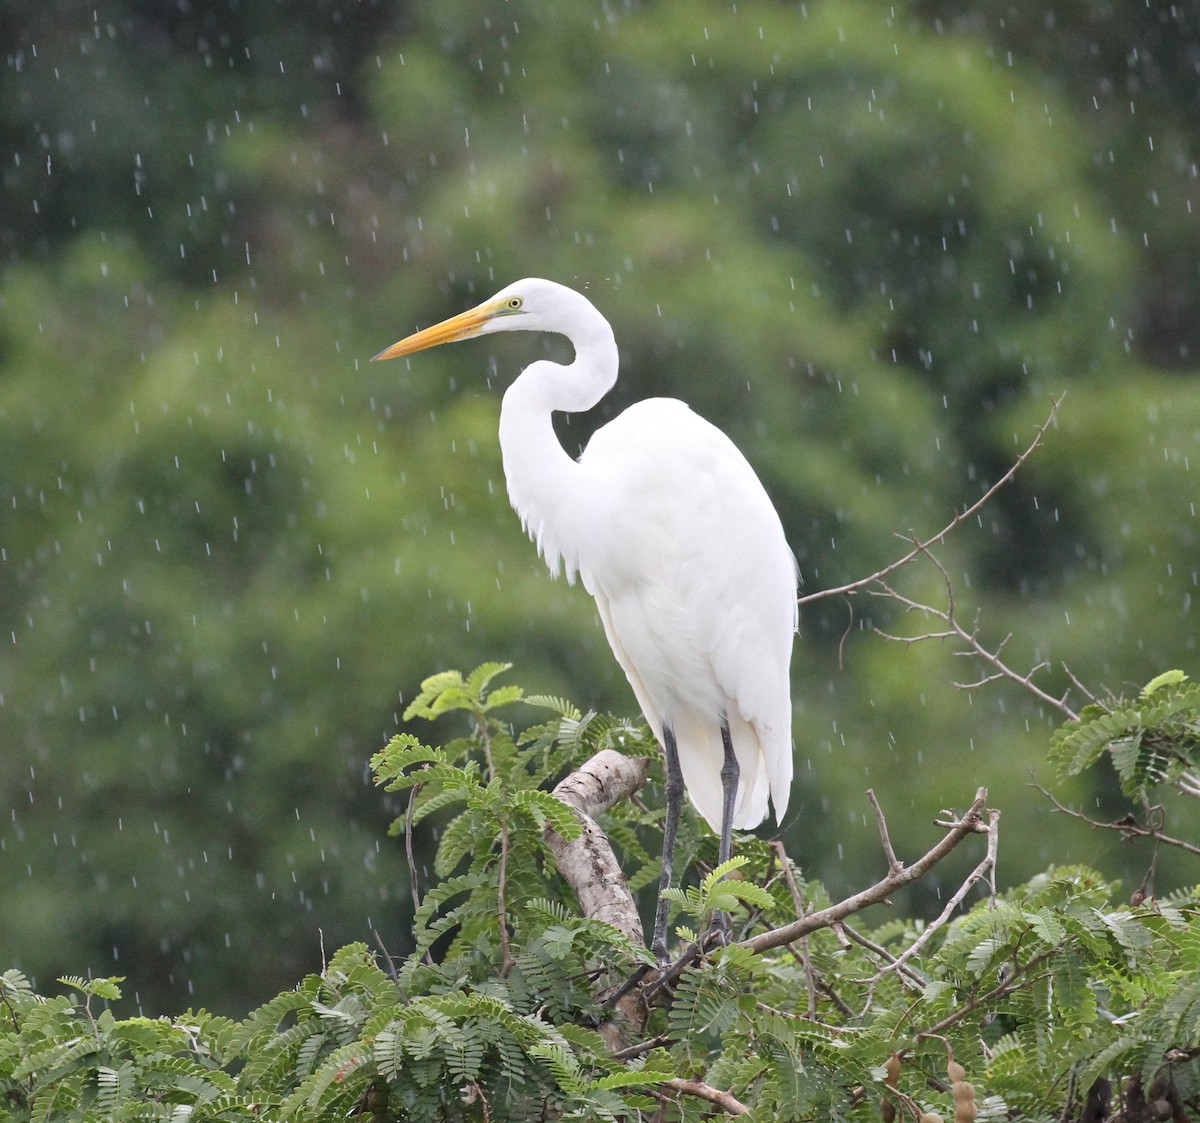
462	326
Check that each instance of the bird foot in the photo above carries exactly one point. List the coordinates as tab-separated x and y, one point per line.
629	984
717	935
653	979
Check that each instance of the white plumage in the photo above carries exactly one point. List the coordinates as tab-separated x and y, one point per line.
671	532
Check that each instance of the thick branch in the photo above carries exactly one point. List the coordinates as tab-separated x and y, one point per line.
725	1100
588	862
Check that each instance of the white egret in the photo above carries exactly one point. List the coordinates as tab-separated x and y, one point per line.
673	535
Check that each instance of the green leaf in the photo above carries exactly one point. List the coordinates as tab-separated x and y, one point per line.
105	988
1167	678
480	678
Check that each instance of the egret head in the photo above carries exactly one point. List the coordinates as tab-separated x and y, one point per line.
529	305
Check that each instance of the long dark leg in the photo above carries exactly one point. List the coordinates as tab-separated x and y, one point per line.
730	772
674	793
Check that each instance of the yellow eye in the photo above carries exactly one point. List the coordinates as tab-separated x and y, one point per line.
514	303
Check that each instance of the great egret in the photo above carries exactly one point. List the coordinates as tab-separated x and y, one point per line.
675	538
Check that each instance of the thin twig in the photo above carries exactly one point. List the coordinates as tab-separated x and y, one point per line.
408	847
915	977
1079	685
388	962
1018	977
641	1047
894	865
982	870
1189	784
969	637
507	960
1128	827
920	547
801	908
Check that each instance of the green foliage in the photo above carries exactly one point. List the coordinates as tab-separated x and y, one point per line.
1035	994
718	892
1151	740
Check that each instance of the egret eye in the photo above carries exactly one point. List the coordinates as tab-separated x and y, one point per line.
514	303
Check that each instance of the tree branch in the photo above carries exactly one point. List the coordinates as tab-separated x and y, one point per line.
920	547
785	864
588	862
975	647
1128	827
725	1100
1019	977
970	823
985	868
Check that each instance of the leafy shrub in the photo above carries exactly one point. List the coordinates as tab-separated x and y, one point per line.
1021	1007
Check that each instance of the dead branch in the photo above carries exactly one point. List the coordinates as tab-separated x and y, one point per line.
589	865
970	823
922	546
985	868
906	972
894	865
877	585
1128	827
1188	783
833	916
968	636
785	864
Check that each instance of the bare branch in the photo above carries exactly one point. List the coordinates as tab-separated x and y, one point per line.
1079	685
877	585
982	870
970	823
1189	784
805	958
970	637
631	1051
1128	827
589	865
903	969
832	917
388	962
724	1100
894	865
966	513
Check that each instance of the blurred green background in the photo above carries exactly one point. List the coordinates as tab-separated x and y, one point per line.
870	241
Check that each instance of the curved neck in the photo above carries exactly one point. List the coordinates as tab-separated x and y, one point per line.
544	483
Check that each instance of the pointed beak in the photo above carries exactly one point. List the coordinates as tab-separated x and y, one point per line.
462	326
